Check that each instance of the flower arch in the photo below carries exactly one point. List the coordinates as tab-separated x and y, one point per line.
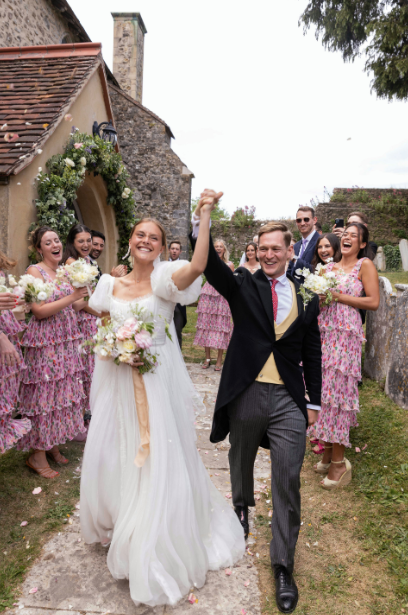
57	188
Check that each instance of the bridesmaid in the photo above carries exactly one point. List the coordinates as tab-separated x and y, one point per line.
252	261
11	365
342	336
52	394
79	245
214	321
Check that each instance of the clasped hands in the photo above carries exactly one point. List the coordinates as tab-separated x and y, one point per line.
208	201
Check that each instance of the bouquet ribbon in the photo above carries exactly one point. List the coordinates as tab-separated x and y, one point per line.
142	409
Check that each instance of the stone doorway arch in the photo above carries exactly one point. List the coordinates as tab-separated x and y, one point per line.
99	216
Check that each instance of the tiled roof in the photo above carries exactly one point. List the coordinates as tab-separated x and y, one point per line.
37	87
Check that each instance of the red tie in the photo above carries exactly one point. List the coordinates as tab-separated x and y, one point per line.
274	298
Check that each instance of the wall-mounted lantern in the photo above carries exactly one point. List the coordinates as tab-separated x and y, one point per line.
105	131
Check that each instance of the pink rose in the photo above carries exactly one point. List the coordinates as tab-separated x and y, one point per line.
143	339
78	145
124	333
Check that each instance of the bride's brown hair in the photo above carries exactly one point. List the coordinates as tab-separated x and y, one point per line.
6	263
165	252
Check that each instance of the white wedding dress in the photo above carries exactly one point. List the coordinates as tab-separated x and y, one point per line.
166	522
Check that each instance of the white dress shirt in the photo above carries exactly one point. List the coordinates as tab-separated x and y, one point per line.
307	239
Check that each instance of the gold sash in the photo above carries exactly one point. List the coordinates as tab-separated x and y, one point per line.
142	409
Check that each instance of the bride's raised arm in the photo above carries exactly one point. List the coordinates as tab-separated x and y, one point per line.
186	275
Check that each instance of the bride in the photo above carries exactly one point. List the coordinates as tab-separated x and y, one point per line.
165	521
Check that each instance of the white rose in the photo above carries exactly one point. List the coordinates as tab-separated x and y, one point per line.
298	271
124	195
69	162
127	191
83	161
82	171
3	289
2	281
39	169
42	296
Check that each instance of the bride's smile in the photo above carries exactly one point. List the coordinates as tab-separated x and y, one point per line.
146	242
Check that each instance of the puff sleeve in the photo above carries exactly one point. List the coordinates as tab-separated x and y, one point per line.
164	287
100	300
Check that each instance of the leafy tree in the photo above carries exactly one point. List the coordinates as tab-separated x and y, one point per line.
217	214
376	28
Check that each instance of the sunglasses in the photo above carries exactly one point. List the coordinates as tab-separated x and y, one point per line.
299	220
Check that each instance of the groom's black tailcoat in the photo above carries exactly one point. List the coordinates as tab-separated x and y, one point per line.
253	339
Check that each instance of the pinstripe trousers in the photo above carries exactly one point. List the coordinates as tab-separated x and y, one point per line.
268	408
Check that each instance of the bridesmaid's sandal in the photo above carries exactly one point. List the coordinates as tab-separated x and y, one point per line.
318	449
58	459
218	369
206	364
344	479
322	468
43	472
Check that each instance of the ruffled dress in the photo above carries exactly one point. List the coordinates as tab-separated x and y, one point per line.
214	320
52	393
11	430
88	328
342	337
166	522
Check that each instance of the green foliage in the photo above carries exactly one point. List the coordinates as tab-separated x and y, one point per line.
392	258
337	197
326	228
243	216
297	235
217	214
57	188
375	28
401	233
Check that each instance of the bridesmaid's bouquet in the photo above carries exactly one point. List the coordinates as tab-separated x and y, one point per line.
79	274
3	287
31	289
321	282
126	342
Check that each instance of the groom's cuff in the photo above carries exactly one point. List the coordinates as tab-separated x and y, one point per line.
195	222
313	407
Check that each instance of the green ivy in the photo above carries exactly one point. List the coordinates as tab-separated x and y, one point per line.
57	188
392	258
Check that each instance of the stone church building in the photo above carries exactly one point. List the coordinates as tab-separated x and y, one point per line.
160	180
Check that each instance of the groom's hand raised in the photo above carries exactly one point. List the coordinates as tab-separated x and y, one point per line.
208	201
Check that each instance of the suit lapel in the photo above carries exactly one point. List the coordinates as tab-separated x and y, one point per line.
265	293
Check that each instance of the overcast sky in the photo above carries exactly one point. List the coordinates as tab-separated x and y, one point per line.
259	110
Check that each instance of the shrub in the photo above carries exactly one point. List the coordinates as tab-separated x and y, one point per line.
392	258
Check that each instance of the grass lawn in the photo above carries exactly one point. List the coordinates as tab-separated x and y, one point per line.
395	277
191	353
45	512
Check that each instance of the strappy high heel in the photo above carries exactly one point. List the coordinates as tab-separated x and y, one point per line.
344	479
206	364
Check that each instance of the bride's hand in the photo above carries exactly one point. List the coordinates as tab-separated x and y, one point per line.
136	362
208	201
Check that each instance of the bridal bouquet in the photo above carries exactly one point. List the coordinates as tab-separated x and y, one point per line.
31	289
3	287
321	282
123	341
79	274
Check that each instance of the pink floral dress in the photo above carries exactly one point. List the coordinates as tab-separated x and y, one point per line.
342	336
11	429
52	393
214	320
88	328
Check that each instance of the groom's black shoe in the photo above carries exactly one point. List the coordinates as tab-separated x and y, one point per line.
286	591
242	514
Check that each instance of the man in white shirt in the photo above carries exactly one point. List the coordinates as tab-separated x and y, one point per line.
180	311
261	400
304	249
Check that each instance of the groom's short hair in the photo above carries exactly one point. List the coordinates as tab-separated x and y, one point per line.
271	227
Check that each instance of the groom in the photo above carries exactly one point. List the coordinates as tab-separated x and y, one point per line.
261	400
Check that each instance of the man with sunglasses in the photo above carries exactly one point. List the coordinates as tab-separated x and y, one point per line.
304	249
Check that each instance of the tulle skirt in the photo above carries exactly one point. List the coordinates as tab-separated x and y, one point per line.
166	523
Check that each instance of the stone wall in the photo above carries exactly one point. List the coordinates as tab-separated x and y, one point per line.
386	351
382	221
162	183
33	22
236	238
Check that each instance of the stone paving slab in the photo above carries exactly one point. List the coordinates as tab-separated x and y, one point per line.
73	579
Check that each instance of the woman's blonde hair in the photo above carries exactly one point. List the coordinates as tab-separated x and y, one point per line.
225	256
165	252
6	263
